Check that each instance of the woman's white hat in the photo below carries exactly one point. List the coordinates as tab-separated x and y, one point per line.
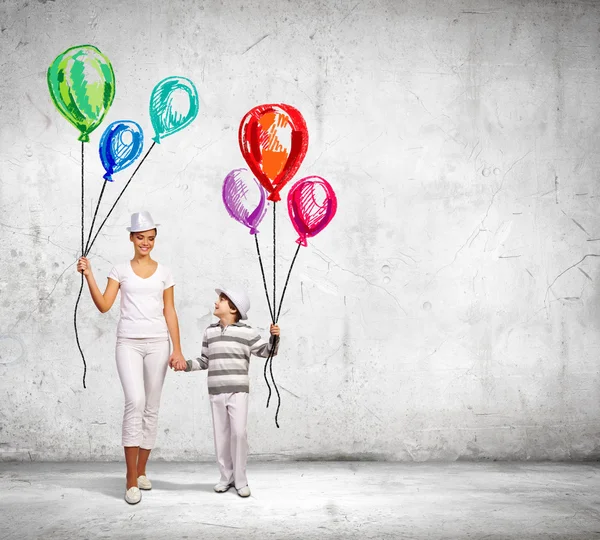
142	221
239	298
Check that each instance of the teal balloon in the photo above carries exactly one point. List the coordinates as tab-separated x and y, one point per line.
166	119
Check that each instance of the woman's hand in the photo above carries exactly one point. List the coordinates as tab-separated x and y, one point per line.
84	267
274	330
177	361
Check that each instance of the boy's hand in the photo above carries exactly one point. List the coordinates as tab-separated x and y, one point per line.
274	330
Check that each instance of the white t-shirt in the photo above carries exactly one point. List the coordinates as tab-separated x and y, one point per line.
142	301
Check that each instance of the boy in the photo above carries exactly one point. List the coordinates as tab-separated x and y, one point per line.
226	349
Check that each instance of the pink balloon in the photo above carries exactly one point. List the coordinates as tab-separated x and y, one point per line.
311	204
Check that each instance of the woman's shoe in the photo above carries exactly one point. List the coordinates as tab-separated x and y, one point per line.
144	483
133	495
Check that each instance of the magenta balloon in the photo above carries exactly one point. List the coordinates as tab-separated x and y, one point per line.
244	198
309	217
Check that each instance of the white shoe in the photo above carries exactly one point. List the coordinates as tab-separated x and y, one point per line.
133	495
221	487
144	483
244	492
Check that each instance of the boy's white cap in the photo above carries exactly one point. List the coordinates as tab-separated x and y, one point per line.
142	221
239	298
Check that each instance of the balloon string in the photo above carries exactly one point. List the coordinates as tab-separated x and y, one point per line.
262	271
76	333
82	254
277	339
286	283
120	195
95	214
269	361
274	255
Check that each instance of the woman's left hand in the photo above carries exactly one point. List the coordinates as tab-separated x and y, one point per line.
274	330
177	361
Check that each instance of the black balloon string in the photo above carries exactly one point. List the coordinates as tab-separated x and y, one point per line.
82	252
87	246
276	340
95	214
269	360
262	271
120	195
275	316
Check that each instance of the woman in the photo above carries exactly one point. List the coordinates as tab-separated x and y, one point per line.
148	318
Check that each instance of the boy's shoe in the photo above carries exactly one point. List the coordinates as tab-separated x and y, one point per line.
244	492
133	495
144	483
222	488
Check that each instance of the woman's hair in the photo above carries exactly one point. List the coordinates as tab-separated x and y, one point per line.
238	316
155	232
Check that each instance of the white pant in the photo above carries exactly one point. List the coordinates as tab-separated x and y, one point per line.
230	414
142	365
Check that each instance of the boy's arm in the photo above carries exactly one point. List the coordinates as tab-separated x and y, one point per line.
201	362
261	347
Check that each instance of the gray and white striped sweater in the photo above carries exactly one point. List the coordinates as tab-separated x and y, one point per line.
226	354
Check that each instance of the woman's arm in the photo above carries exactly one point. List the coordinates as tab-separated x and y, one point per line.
176	360
103	301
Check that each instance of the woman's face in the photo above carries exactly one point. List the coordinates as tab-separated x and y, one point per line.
143	242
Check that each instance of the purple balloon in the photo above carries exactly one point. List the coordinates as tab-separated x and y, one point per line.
244	198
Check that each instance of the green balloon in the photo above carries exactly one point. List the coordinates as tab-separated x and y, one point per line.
82	86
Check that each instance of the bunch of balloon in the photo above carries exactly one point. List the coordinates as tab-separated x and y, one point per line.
119	147
273	140
81	82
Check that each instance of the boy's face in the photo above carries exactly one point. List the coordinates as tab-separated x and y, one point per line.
222	308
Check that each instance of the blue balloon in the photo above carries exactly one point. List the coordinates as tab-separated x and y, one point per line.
120	145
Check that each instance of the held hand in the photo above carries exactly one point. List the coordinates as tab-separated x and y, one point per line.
274	330
177	361
83	266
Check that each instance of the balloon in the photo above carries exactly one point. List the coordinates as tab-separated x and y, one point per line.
273	140
309	216
244	198
165	117
120	145
82	86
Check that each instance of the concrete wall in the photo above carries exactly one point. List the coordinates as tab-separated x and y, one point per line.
450	310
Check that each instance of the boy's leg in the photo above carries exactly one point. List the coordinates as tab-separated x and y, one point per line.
238	415
222	435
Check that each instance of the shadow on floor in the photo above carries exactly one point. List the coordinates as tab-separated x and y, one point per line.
171	486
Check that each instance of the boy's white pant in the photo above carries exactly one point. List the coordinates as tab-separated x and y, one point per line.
230	414
142	365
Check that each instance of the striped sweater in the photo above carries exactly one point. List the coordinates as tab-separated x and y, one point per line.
226	354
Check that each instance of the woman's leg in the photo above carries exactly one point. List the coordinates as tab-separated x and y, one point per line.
131	460
142	459
131	372
156	362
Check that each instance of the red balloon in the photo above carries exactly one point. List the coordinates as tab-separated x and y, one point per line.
311	204
273	140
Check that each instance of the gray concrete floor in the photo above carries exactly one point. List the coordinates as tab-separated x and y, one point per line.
305	500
